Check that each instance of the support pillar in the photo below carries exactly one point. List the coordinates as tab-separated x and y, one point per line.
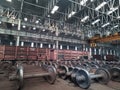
114	52
49	46
99	51
110	52
67	47
83	47
94	51
53	46
41	45
107	52
22	43
57	42
19	23
86	49
11	43
90	51
56	45
18	37
61	47
32	44
76	48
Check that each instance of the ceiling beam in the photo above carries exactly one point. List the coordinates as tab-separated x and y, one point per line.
35	35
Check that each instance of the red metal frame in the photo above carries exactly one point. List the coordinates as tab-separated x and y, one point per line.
30	53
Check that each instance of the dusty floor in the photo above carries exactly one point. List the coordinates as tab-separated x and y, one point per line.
41	84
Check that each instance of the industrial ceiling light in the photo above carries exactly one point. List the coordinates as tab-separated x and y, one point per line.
25	19
43	30
100	6
96	21
9	0
13	24
83	2
84	19
24	26
48	16
34	28
55	8
37	22
0	22
71	14
112	10
105	24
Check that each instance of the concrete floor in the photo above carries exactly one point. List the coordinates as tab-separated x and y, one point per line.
41	84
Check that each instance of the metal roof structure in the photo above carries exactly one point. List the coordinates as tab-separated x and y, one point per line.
76	19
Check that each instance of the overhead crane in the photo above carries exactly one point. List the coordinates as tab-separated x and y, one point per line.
98	39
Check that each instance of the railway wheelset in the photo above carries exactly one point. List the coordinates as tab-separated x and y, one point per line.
78	75
82	76
49	74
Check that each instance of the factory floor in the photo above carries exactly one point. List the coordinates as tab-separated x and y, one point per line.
41	84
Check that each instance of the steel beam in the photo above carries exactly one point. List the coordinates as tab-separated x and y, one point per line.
27	34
